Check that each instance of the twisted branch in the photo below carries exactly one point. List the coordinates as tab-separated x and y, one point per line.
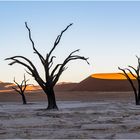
129	79
33	44
62	66
21	87
30	67
58	40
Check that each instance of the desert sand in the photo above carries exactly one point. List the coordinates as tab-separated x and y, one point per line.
96	113
74	120
93	115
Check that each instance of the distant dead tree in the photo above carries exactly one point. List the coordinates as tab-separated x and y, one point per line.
135	75
21	88
52	75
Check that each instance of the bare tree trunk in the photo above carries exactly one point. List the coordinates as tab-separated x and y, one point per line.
136	96
23	99
138	102
51	99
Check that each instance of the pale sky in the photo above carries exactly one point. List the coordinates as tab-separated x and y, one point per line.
106	32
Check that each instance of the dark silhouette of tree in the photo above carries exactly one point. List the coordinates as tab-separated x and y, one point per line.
136	75
21	88
52	75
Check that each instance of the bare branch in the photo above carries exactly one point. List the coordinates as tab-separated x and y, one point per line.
129	79
133	69
131	73
122	73
51	61
62	66
71	56
50	66
12	63
16	90
138	67
31	68
28	72
21	57
138	58
20	89
78	57
74	52
54	70
33	45
58	39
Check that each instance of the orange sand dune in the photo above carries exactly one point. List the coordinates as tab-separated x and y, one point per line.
33	88
105	82
95	82
114	76
7	87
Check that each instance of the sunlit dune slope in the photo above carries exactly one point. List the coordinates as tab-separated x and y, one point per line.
105	82
114	76
7	87
28	88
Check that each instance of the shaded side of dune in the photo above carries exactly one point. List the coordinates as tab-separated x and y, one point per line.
65	86
95	84
5	86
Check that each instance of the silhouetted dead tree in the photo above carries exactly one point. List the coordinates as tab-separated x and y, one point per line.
21	88
137	76
52	75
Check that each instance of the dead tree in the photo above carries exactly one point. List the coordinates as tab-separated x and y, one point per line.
52	75
21	89
135	75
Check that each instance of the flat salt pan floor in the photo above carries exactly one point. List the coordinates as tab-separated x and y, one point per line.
74	120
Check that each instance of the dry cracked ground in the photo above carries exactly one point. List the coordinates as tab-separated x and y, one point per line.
74	120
